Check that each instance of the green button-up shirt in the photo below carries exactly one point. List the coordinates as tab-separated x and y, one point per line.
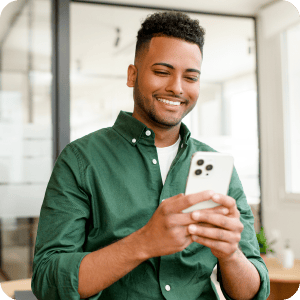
106	186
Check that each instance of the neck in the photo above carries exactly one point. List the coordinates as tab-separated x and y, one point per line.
164	135
166	138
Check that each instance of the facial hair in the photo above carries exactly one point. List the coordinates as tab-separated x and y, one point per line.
150	112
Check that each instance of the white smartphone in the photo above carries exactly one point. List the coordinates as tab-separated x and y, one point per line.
208	171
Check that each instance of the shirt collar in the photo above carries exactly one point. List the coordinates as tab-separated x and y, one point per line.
134	131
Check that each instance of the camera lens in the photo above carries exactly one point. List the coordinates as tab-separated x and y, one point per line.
200	162
209	167
198	172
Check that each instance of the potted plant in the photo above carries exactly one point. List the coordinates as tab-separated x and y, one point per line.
264	246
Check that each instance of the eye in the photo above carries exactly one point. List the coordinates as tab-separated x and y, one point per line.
163	73
194	79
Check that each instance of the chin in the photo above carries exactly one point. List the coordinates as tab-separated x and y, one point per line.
168	122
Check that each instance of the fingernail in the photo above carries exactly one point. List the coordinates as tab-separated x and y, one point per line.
211	193
192	228
196	215
216	197
225	211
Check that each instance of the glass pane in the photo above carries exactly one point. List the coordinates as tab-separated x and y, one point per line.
25	132
225	116
292	109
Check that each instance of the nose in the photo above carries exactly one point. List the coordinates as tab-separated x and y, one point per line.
175	85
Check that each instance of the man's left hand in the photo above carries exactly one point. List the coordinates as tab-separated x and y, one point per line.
220	233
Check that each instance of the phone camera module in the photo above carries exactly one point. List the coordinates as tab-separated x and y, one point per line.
209	167
198	172
200	162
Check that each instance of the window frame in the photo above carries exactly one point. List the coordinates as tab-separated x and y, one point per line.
287	197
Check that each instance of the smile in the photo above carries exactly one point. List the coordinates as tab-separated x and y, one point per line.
168	102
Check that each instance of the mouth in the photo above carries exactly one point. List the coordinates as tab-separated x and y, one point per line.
173	103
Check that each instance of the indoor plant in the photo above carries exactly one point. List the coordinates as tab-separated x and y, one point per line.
264	246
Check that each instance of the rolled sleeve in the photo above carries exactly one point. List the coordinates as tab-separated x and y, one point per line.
264	289
61	231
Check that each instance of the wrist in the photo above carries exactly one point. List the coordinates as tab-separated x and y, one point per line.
231	258
141	247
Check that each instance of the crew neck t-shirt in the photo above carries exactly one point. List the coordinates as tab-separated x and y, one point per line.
166	156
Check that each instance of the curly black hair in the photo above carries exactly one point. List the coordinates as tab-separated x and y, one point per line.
172	24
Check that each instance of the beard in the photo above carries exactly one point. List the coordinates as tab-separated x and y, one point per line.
151	113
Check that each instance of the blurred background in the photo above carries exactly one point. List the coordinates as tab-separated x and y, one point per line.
63	69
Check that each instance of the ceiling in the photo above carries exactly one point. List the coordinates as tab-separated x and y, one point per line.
239	7
93	50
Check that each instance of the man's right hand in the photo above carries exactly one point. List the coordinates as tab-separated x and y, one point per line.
167	230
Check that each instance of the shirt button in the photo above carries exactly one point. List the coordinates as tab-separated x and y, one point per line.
154	161
133	140
168	288
148	132
181	145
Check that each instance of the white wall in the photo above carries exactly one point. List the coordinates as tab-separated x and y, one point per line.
279	213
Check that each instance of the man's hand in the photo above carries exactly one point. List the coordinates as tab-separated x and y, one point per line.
223	234
167	232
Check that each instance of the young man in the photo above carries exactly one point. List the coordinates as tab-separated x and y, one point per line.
111	224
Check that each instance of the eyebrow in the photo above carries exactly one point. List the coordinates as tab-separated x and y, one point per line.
171	67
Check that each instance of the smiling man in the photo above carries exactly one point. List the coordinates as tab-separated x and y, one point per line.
166	81
111	224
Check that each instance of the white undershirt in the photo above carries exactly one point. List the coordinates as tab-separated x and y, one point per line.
166	156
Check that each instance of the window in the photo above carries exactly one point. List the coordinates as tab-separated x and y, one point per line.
291	106
25	131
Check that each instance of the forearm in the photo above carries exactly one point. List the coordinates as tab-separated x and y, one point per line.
240	278
100	269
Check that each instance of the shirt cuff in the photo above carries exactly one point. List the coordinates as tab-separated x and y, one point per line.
264	289
58	279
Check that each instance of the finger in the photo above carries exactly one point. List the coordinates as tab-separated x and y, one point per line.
220	209
180	220
226	201
225	222
206	225
223	247
214	233
190	200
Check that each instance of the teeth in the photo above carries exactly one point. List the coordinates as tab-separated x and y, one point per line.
168	102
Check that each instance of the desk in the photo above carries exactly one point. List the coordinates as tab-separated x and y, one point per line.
9	287
284	282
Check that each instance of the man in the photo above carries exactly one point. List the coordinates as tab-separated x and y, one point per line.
111	224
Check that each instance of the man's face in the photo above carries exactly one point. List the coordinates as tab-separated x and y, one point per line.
166	81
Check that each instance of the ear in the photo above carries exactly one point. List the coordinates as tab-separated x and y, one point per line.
131	75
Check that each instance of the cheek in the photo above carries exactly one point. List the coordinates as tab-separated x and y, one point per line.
193	92
146	84
153	83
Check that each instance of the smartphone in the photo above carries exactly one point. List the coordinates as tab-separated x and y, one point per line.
208	171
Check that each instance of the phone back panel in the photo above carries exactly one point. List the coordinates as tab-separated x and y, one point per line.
209	171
